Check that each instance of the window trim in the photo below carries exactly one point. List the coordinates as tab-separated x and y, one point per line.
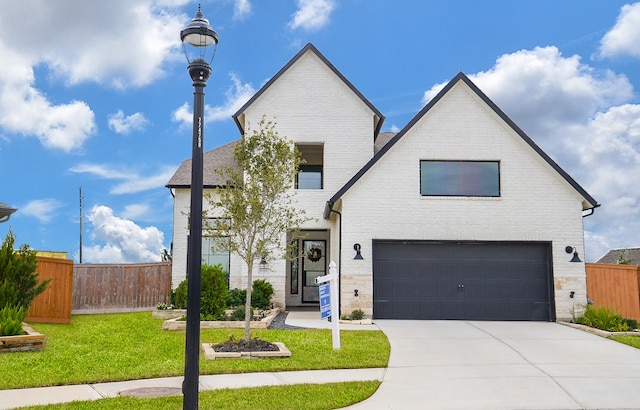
499	181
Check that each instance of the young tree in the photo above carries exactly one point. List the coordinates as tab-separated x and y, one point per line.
255	206
18	277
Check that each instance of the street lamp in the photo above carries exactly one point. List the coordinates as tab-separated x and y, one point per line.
5	212
198	39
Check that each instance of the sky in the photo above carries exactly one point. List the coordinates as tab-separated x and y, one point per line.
96	96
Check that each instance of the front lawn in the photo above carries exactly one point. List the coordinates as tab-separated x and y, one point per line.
114	347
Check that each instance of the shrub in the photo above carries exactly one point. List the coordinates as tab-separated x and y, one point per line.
179	296
261	295
632	323
357	314
602	318
213	293
11	318
236	297
18	278
237	314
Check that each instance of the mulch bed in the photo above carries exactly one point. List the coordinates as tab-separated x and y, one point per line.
251	345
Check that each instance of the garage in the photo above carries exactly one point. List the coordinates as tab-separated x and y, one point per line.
462	280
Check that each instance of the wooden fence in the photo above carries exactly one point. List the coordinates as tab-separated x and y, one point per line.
616	287
117	287
54	304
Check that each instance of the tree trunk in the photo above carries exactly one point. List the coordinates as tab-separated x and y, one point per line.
248	312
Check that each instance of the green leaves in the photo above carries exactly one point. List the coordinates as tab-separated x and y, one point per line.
18	278
11	318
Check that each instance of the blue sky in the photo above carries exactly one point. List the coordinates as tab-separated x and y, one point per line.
96	95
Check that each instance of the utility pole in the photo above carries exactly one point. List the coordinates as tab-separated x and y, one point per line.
80	223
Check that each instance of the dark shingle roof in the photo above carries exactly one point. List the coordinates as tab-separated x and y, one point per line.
216	158
614	255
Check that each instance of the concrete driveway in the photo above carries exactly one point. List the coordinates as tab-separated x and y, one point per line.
504	365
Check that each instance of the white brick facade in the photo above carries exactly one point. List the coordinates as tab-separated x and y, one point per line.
311	103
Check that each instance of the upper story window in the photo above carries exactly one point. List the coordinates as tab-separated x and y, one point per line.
460	178
311	171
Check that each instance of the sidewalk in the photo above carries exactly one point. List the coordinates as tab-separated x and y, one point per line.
10	399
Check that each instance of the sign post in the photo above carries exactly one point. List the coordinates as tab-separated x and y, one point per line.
329	302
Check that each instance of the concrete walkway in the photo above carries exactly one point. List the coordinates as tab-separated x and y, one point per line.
438	365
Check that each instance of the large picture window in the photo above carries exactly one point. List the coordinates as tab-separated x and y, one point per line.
460	178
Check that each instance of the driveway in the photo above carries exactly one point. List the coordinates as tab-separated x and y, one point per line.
504	365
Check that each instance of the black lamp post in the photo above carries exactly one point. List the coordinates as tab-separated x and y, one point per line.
5	212
198	39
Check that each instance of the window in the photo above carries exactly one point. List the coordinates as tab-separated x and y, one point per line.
211	254
460	178
310	173
309	177
211	258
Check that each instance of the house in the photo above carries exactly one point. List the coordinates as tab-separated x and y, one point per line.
459	215
625	256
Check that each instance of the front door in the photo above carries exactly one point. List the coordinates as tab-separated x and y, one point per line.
302	271
313	265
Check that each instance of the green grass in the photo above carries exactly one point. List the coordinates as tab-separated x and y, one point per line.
308	397
114	347
630	340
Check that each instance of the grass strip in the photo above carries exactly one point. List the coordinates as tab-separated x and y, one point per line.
630	340
301	396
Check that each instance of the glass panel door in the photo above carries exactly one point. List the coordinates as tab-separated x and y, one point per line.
313	265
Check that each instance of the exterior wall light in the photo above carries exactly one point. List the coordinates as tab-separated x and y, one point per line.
575	258
357	247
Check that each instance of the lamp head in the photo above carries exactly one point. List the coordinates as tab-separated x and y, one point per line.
199	40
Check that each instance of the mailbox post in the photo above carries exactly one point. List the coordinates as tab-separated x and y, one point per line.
332	310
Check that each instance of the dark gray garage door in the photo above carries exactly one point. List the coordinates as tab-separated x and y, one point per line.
468	280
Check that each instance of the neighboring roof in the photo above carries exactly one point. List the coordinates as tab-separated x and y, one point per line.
614	256
212	160
382	140
591	202
310	47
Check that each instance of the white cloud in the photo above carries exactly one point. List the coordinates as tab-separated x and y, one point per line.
135	211
127	49
137	183
132	181
241	9
122	124
42	209
25	110
624	37
124	241
235	97
312	14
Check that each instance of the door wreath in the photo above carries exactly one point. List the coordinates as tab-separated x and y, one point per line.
314	254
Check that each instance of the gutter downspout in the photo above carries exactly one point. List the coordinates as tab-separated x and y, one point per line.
339	263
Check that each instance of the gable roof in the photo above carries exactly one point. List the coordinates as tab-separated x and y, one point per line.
591	203
212	160
614	256
310	47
